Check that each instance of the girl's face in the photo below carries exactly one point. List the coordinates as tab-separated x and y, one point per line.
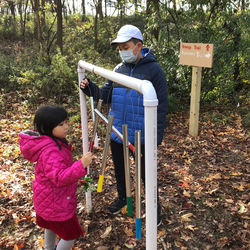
61	130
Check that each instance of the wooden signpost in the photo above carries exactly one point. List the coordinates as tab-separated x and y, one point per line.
197	55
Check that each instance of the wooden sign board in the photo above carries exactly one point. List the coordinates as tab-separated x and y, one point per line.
196	54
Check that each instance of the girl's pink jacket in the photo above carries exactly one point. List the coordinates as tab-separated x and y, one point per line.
56	175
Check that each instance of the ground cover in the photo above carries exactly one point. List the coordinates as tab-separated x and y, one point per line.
203	186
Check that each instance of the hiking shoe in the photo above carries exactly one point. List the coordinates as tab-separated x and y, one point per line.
158	214
117	205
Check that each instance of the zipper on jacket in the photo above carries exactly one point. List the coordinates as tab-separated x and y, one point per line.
127	93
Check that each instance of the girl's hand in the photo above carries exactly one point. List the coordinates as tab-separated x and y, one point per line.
87	159
84	83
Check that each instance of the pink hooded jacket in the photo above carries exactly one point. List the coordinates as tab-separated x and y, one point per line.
56	175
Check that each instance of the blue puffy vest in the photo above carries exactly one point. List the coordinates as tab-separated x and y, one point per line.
127	107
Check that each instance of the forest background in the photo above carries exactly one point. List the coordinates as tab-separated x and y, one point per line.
41	42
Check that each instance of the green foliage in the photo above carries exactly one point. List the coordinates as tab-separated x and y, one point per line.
218	118
6	62
87	183
55	81
225	28
43	71
173	106
246	119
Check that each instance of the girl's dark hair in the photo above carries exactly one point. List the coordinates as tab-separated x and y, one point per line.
47	118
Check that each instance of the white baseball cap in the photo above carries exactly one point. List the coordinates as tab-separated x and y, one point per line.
127	32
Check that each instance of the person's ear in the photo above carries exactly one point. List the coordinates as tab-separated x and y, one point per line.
139	44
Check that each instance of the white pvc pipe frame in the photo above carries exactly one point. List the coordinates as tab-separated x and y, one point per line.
150	103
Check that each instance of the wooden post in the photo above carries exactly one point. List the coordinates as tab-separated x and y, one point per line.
105	153
127	169
195	101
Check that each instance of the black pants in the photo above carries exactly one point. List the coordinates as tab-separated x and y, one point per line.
118	159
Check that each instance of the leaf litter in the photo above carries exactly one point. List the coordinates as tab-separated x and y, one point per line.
203	188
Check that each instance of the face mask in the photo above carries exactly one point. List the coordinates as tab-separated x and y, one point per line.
128	55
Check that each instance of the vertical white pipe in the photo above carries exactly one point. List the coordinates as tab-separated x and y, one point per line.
93	119
84	126
151	176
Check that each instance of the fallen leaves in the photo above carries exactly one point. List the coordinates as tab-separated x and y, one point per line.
186	217
131	243
191	227
107	232
203	189
212	177
129	231
222	242
184	184
242	209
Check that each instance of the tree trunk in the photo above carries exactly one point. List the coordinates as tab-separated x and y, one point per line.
243	5
121	9
20	5
13	16
70	11
99	7
73	6
25	17
105	8
83	9
148	8
36	6
43	14
59	24
153	6
96	28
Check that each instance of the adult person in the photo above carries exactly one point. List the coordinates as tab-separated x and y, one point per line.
127	104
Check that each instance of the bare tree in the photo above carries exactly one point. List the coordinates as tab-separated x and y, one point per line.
153	6
99	9
73	6
36	7
83	8
121	4
59	24
13	16
98	13
20	10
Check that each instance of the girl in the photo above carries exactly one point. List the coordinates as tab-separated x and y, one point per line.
56	176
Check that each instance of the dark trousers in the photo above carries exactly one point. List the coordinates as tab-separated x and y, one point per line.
118	159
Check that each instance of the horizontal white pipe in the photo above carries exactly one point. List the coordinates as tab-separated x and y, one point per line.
144	87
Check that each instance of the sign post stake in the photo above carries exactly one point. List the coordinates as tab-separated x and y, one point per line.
195	101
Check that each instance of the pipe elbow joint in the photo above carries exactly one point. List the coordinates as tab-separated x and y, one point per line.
149	94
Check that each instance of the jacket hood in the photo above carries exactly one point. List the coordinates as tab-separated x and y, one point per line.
147	56
32	143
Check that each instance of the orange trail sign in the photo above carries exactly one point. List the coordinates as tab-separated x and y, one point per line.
196	54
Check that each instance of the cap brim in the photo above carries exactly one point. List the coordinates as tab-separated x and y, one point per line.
121	39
